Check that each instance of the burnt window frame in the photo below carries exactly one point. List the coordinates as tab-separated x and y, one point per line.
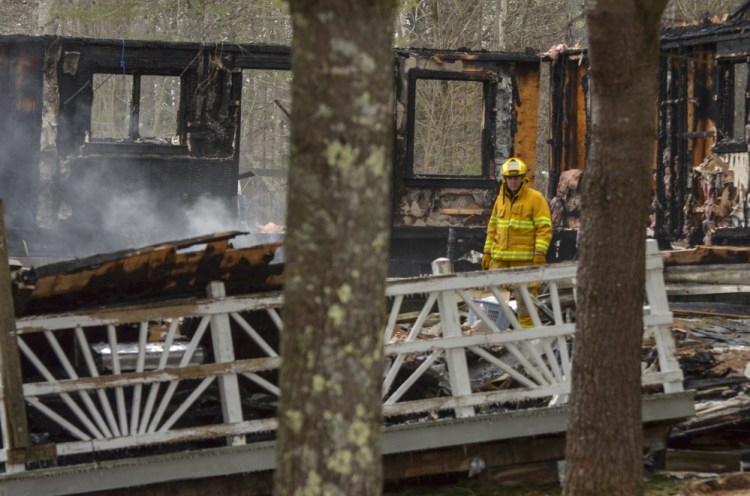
727	142
489	95
135	102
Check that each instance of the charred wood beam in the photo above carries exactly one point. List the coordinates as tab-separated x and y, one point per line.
48	162
731	417
447	55
270	61
713	383
660	231
489	130
673	144
570	117
683	162
556	167
135	108
697	135
740	11
719	34
587	111
707	255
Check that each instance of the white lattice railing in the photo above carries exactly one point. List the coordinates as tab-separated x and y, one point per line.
196	381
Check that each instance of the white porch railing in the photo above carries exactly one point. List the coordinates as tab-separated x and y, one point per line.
193	384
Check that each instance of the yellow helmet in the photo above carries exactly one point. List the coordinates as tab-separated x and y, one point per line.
514	167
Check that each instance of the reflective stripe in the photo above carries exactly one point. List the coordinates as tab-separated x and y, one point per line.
522	224
518	224
512	255
540	243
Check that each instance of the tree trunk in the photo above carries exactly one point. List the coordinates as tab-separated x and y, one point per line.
336	248
605	442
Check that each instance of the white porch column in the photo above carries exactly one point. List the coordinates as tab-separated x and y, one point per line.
458	370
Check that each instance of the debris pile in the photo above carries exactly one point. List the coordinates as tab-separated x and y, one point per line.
723	204
170	270
713	348
565	207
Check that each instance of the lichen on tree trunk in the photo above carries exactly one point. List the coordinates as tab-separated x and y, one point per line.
336	248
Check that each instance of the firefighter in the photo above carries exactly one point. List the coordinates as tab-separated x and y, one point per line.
520	228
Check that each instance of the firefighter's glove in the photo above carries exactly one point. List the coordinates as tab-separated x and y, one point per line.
540	258
486	259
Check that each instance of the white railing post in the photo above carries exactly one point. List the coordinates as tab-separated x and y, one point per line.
221	338
458	370
656	294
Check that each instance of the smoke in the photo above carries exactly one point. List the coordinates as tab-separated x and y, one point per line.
125	204
266	200
95	205
141	218
15	184
210	215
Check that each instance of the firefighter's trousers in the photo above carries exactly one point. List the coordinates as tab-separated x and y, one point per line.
523	313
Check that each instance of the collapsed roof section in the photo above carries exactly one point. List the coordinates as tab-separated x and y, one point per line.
170	270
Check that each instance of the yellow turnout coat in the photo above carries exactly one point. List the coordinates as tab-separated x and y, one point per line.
519	226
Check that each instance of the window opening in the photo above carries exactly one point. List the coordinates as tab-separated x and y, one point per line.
135	107
448	123
159	107
110	110
264	144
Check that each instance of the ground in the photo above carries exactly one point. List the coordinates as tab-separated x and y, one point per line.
658	484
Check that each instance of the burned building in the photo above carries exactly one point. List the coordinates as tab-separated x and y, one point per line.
80	149
701	151
702	168
95	129
459	115
106	140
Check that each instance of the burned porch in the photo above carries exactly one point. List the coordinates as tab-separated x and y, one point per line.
186	388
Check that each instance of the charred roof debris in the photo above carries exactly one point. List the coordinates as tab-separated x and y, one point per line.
166	271
65	176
